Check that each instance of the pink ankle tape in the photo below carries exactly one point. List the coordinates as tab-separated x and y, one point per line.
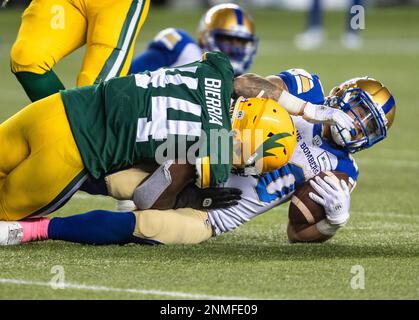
35	229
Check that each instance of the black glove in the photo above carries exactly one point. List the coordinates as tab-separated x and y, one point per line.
209	198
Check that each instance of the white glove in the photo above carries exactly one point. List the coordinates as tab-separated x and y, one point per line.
334	197
324	114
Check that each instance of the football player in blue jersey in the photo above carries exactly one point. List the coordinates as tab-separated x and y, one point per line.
224	27
320	147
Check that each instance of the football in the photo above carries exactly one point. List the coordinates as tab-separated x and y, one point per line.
302	209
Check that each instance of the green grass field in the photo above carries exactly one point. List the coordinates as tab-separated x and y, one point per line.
256	261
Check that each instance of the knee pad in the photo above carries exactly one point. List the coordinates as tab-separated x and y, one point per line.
182	226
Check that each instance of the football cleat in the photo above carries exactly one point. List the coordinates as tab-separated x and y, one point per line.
229	29
11	233
351	40
264	135
310	39
372	107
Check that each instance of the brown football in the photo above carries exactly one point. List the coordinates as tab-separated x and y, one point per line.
302	209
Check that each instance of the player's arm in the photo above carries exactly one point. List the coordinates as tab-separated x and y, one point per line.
335	198
172	186
252	85
180	176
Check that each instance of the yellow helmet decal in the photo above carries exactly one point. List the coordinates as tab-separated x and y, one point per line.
271	143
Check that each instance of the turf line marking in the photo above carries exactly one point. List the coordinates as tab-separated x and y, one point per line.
75	286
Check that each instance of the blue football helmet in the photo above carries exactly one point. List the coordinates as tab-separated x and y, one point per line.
372	107
229	29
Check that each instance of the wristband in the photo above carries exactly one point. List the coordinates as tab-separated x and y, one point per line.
291	103
147	193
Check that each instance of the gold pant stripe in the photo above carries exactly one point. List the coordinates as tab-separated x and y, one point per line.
63	197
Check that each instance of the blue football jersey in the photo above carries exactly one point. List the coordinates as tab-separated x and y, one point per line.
312	154
170	48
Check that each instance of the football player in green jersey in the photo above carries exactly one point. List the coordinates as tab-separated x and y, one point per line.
92	131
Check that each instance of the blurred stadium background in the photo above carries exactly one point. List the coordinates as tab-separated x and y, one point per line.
257	261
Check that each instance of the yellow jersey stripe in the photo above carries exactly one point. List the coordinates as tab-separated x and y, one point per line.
306	83
205	172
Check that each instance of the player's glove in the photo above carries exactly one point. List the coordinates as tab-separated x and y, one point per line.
334	197
206	199
324	114
315	113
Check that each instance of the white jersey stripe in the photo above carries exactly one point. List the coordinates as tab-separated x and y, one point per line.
184	69
299	84
160	79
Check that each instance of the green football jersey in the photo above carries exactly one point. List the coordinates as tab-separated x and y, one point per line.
172	113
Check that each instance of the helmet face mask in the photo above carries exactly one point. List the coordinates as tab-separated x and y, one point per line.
370	121
240	50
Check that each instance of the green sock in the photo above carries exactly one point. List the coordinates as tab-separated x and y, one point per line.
38	86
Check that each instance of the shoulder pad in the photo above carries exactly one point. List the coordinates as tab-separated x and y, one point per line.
304	85
172	39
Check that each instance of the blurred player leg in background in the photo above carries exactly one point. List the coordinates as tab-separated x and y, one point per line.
111	34
52	29
315	36
351	38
